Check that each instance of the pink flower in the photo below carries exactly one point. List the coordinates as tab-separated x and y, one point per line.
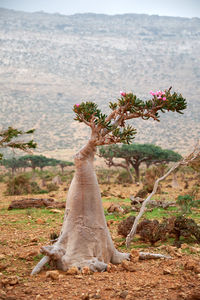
77	105
157	93
123	94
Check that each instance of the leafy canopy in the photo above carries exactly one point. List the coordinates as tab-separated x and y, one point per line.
138	153
112	128
33	161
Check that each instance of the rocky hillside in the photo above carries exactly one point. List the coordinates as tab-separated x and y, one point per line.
48	62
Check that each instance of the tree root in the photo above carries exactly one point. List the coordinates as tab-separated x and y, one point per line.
94	264
40	265
53	252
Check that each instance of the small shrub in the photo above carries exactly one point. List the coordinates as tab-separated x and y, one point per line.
186	202
125	226
194	192
21	185
142	193
103	176
123	177
1	178
186	227
47	175
186	170
150	177
153	231
35	189
52	187
67	176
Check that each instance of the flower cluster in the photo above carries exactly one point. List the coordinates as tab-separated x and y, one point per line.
76	107
159	94
123	94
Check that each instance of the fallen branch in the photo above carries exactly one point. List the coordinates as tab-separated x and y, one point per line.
36	202
185	161
148	255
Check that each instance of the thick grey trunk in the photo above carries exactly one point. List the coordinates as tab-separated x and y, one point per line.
85	239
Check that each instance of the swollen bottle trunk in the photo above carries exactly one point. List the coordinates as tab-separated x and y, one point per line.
84	239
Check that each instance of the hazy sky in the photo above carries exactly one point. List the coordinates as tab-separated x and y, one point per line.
182	8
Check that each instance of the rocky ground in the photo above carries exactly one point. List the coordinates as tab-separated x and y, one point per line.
23	232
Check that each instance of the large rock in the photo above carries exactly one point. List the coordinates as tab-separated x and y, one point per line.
128	266
57	180
52	274
115	208
73	271
10	280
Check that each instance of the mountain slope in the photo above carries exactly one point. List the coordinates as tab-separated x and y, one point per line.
51	61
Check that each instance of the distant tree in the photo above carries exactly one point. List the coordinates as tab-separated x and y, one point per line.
135	154
53	162
63	164
9	138
39	161
23	162
43	161
32	161
12	164
36	161
163	157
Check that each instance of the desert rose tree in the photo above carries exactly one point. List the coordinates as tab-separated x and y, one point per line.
85	239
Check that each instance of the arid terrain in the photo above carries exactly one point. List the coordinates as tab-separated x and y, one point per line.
24	231
49	62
